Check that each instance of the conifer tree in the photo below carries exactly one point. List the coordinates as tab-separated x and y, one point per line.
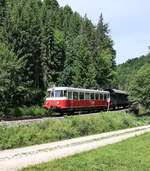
51	4
56	46
47	41
52	48
65	77
84	70
12	90
104	55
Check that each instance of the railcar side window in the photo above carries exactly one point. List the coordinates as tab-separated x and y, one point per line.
52	94
105	96
87	96
101	96
97	96
69	95
58	93
81	95
108	97
75	95
48	94
65	93
92	96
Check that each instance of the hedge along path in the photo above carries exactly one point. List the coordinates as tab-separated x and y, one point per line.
19	158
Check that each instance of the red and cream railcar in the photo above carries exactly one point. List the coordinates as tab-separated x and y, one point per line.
65	99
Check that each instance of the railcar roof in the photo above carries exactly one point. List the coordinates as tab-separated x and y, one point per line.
78	89
117	91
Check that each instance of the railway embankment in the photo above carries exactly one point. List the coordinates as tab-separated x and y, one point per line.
22	135
35	119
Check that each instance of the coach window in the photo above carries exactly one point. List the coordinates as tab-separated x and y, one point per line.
58	93
87	96
92	96
70	95
51	93
81	95
101	96
65	93
75	95
48	94
108	96
97	96
105	96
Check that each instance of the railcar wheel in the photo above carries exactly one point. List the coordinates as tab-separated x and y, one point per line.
50	111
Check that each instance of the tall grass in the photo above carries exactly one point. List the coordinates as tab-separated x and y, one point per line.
70	127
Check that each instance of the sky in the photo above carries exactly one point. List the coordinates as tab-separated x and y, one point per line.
129	23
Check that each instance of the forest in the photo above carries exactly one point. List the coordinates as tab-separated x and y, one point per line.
44	45
134	77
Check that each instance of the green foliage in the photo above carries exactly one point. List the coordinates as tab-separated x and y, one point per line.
51	4
55	46
140	87
84	71
25	111
31	111
9	78
104	56
143	111
70	127
127	71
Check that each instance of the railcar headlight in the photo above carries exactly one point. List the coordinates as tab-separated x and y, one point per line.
58	102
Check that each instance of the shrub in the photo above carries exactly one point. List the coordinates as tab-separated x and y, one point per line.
31	111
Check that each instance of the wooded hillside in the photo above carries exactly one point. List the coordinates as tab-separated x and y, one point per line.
127	71
43	44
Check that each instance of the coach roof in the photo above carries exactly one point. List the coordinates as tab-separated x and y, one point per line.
116	91
77	89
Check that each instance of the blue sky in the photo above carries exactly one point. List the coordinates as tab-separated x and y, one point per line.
129	23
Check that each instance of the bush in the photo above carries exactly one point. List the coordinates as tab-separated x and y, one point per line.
27	111
140	87
32	111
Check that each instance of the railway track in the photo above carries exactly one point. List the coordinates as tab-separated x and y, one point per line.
28	120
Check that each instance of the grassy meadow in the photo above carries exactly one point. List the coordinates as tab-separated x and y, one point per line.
130	155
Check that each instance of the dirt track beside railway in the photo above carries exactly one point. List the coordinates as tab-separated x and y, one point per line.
18	158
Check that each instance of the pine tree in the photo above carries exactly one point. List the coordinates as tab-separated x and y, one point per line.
65	77
47	41
74	25
3	10
12	90
51	4
84	70
104	56
21	33
52	48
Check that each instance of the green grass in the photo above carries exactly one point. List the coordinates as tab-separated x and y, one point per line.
70	127
130	155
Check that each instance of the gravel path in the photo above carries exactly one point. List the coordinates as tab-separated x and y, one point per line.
18	158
